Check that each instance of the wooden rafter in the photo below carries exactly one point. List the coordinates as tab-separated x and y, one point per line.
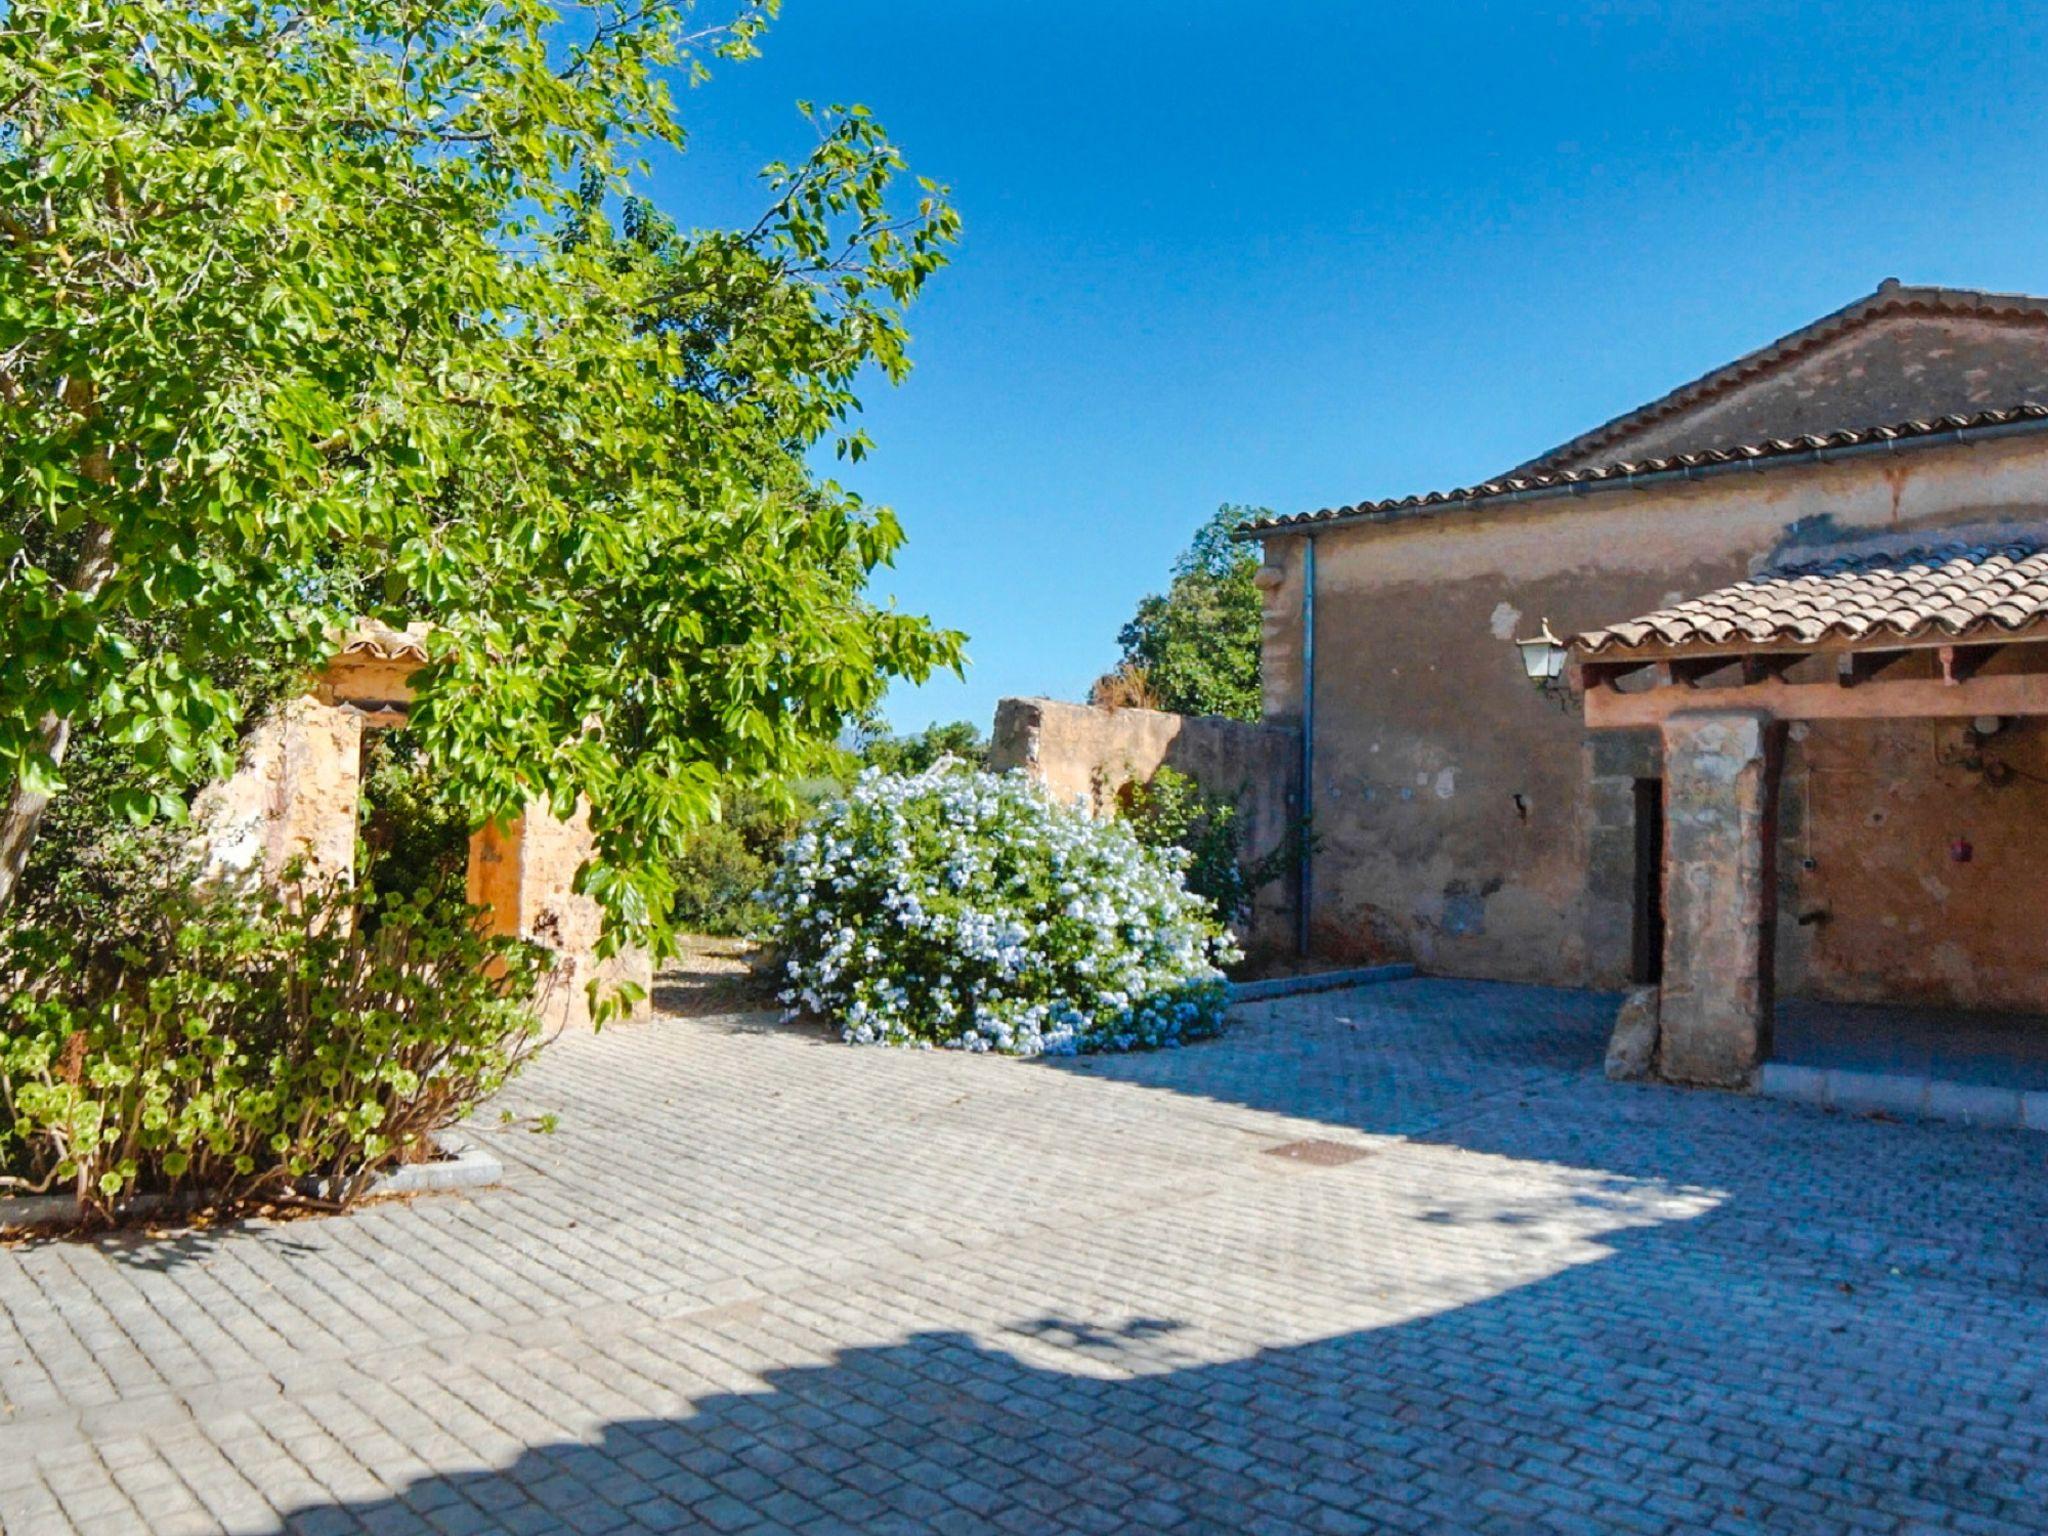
2003	693
1765	666
1637	656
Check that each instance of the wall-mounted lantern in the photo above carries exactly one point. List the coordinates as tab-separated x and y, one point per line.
1543	658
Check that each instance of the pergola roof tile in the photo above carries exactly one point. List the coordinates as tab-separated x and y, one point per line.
1958	589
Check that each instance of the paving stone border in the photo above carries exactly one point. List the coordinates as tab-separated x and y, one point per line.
1320	981
468	1165
1904	1093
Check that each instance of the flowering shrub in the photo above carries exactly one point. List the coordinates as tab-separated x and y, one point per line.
961	909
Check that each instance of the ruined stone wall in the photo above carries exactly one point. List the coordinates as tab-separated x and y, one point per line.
291	799
1084	753
525	873
1471	823
293	796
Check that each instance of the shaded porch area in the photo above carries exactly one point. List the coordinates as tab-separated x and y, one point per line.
1851	808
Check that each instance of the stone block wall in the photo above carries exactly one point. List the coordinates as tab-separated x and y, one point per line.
293	796
1084	753
525	874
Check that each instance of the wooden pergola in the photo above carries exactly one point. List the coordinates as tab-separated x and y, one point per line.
1875	678
1949	630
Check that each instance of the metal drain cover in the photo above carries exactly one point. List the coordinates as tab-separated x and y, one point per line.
1319	1153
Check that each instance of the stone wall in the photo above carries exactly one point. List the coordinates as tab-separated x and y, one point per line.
293	797
1084	753
525	874
1892	368
1469	822
1720	896
1910	861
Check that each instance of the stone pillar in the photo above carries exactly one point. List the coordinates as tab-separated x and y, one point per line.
525	873
1720	895
292	795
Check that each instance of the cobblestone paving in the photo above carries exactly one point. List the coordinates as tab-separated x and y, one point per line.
759	1282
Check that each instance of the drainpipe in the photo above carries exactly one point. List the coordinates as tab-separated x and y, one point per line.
1304	875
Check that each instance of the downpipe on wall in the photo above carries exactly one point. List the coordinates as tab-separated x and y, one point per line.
1304	873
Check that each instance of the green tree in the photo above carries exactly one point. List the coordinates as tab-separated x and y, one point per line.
351	307
919	750
1195	648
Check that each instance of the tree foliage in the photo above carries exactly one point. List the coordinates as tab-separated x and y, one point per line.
913	753
335	308
1195	648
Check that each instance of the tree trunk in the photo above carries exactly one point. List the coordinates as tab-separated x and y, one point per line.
23	817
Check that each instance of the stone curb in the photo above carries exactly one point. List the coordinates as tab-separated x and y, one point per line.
470	1165
1322	981
1907	1094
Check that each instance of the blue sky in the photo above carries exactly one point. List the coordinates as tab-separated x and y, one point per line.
1303	253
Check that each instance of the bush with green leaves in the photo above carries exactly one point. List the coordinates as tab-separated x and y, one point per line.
883	750
1170	810
339	309
415	834
239	1044
976	912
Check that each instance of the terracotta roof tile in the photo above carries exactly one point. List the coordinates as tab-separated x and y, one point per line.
1778	448
373	637
1958	588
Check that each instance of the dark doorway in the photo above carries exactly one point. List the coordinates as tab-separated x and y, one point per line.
1646	963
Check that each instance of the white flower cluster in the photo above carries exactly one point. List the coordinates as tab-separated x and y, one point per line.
975	912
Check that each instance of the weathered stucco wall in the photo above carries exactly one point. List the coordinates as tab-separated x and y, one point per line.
1471	823
1873	816
1084	753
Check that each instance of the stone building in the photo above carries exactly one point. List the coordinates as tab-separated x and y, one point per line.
1798	749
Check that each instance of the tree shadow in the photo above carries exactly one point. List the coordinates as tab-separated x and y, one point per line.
1393	1058
1648	1389
712	977
162	1244
1774	1320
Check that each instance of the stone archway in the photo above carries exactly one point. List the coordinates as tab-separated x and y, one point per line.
295	791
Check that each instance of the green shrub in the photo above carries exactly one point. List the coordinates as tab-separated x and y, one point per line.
1171	811
961	909
415	833
718	880
236	1044
726	864
885	752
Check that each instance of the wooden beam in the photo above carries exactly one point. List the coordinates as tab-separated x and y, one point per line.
1853	667
1763	667
1916	698
1687	671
